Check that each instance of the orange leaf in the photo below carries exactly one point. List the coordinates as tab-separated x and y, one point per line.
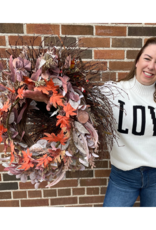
70	111
20	93
51	86
26	164
12	151
52	137
11	90
6	106
48	87
43	89
56	99
44	160
2	130
29	82
63	121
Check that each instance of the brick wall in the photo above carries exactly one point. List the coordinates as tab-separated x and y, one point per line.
115	46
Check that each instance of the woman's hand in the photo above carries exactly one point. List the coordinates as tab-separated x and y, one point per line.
38	96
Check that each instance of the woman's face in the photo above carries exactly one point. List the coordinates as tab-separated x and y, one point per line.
146	66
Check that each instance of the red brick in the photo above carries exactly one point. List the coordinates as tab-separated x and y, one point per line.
19	194
127	42
79	174
78	191
29	185
32	203
34	194
5	195
108	76
16	28
103	190
104	155
49	192
120	65
63	201
138	199
98	205
7	154
67	183
101	164
91	199
43	29
92	182
4	64
1	148
136	205
4	54
122	75
131	54
92	191
96	65
0	177
109	54
102	173
110	31
9	203
94	42
93	77
24	40
64	192
150	24
2	41
77	30
140	31
104	143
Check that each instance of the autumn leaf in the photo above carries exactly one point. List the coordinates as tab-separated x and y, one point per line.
6	106
29	82
26	163
63	121
12	151
70	111
50	86
2	130
57	155
20	93
72	64
56	99
11	90
59	137
45	160
43	89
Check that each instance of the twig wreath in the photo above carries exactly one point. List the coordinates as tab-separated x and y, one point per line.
50	112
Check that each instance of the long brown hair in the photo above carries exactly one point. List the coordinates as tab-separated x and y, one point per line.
132	72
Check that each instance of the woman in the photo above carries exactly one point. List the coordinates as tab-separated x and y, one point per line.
133	158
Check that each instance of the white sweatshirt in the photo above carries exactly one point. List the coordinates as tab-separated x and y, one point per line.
136	125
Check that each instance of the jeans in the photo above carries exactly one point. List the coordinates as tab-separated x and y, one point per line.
125	186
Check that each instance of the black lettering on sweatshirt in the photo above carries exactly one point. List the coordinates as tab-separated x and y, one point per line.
120	129
153	119
143	121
